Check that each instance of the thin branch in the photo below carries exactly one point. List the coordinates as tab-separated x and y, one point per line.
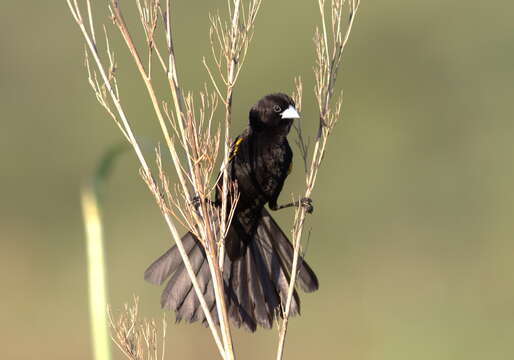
303	145
137	339
325	74
75	10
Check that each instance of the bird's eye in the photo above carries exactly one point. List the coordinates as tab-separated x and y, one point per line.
277	108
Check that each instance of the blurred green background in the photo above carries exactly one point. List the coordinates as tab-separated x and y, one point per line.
412	233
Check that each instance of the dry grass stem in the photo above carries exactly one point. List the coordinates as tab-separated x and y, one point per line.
137	339
229	47
329	52
303	145
121	119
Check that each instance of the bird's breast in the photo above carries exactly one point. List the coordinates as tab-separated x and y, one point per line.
260	169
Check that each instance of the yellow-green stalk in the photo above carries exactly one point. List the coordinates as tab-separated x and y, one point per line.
96	274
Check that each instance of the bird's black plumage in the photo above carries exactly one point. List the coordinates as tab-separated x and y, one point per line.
258	254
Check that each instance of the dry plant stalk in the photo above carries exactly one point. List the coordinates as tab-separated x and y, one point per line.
186	127
330	44
229	46
137	339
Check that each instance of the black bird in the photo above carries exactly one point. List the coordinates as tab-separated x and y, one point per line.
258	254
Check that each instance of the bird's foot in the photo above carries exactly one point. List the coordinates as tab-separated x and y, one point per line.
196	202
306	203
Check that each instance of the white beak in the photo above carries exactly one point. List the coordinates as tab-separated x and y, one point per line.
290	113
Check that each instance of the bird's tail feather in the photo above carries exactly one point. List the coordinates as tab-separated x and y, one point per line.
256	283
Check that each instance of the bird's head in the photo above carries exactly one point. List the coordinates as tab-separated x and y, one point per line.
274	112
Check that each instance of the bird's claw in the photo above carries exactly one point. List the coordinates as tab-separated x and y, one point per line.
195	201
306	203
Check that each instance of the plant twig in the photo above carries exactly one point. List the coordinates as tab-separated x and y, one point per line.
326	73
122	120
137	339
229	45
